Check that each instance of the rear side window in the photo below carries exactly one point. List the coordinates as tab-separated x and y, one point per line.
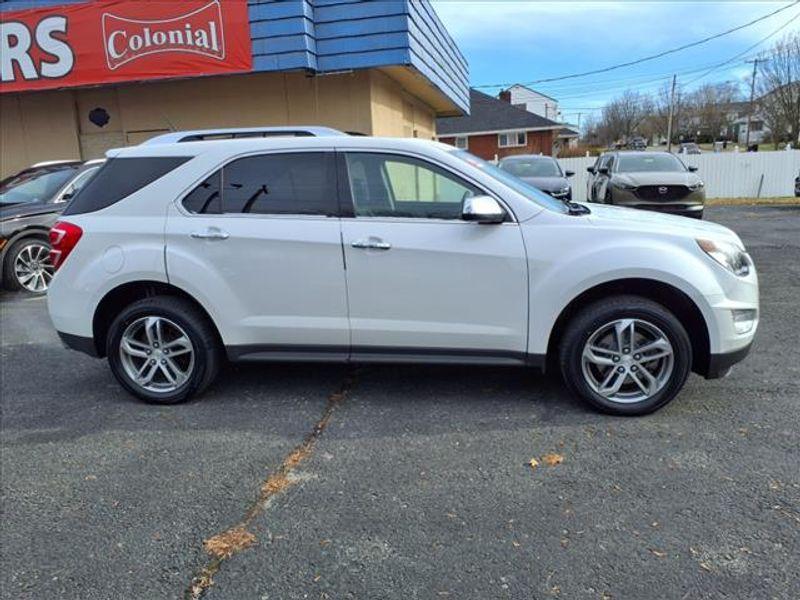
301	183
118	179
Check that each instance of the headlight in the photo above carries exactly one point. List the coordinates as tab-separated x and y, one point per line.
728	255
623	185
696	186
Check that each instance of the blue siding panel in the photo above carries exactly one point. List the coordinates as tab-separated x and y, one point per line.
334	35
362	27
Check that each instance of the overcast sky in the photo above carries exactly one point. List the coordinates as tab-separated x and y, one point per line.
508	41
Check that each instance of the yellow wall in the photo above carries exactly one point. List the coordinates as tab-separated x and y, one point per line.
36	127
55	125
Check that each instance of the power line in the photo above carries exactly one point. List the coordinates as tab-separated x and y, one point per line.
647	58
733	58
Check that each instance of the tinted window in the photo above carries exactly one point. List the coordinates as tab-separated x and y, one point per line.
638	163
35	185
206	197
118	179
293	183
385	185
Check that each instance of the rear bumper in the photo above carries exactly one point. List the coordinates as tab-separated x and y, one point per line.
79	343
719	365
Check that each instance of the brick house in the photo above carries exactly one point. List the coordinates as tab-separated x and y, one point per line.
495	128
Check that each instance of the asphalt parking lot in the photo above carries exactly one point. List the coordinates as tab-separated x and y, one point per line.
420	485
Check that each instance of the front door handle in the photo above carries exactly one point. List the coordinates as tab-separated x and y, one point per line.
372	244
212	233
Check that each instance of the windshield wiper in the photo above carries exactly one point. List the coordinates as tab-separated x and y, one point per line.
573	208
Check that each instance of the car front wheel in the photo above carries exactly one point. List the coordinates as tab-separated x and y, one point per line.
625	355
163	350
27	266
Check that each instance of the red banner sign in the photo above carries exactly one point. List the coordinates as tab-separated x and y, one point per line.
122	40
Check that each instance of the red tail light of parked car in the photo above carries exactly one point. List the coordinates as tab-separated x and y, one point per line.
63	238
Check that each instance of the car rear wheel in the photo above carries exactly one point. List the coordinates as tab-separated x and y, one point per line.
27	266
163	350
625	355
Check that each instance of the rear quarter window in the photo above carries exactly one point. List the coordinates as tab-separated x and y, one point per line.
118	179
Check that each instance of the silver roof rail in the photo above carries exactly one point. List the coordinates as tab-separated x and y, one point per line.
199	135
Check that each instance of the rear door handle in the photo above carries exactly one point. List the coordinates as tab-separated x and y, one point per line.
212	233
372	244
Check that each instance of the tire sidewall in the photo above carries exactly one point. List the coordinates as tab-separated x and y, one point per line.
138	311
572	365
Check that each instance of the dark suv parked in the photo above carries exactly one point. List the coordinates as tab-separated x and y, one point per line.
30	202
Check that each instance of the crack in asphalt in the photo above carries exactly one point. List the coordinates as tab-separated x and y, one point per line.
230	542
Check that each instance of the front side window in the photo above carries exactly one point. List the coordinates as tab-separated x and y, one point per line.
298	183
386	185
512	139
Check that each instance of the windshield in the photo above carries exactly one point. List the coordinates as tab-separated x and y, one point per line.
533	167
640	163
35	186
516	184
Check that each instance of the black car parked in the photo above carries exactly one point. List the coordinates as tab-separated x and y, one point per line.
542	172
30	203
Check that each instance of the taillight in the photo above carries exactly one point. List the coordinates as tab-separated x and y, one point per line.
63	238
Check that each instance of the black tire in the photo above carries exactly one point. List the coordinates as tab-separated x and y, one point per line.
10	281
591	319
608	198
698	214
201	332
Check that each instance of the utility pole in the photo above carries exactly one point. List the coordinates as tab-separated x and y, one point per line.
752	99
671	113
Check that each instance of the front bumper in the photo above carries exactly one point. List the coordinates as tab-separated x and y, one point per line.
719	365
79	343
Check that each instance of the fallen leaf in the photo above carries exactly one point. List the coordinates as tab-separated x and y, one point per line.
705	566
658	553
552	459
227	543
317	578
515	544
533	463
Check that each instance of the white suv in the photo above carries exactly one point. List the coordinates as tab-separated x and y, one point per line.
177	256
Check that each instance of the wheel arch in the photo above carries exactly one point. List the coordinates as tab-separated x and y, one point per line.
125	294
36	231
665	294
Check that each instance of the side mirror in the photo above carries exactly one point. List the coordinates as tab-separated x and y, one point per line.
603	170
692	168
67	195
569	173
482	209
590	169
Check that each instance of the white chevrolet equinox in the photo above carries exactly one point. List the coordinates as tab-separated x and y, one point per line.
179	255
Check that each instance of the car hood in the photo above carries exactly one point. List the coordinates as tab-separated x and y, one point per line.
26	209
658	178
646	221
547	184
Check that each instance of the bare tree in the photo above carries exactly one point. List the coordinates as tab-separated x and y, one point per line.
622	116
779	89
710	108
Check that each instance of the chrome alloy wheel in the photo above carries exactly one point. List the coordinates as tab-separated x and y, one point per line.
33	269
627	360
156	354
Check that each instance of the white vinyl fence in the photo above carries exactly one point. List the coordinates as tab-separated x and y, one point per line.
726	174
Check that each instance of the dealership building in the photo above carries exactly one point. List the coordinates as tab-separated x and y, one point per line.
81	77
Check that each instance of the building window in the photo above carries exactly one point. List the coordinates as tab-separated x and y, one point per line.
511	139
461	142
